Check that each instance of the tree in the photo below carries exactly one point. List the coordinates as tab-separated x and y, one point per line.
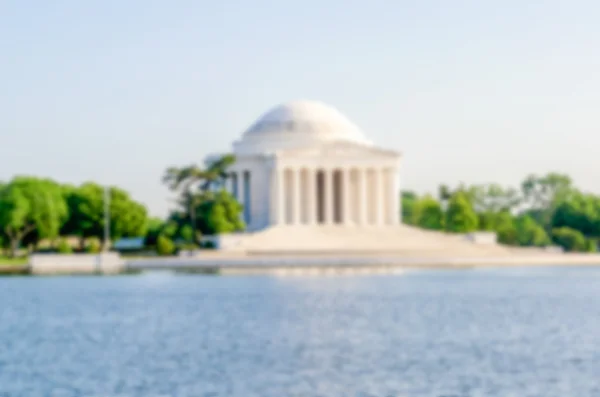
542	194
578	211
427	213
569	239
492	198
164	246
127	217
28	205
530	233
154	228
460	216
503	223
220	213
187	233
64	247
200	189
216	172
408	200
93	245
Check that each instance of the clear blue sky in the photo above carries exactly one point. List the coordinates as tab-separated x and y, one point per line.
476	91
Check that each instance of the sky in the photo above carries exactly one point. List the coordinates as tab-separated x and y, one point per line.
469	91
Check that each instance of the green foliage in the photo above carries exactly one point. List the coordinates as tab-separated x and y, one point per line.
578	211
219	213
204	205
460	216
591	245
29	205
543	194
428	214
530	233
164	246
64	247
570	239
186	232
128	218
154	227
93	245
408	200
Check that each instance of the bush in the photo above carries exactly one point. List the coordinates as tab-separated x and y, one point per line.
64	247
93	246
591	245
164	246
570	239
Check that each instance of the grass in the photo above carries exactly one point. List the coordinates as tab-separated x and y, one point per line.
13	266
6	261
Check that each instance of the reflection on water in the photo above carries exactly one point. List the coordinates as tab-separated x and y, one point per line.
513	332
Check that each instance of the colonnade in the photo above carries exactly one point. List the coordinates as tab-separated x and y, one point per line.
347	196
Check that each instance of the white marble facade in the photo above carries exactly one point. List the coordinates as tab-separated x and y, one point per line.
304	163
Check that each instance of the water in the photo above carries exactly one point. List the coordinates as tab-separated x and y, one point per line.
514	332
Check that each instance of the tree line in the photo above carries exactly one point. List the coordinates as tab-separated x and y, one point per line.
39	214
544	210
35	210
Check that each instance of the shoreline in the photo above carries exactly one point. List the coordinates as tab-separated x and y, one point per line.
227	264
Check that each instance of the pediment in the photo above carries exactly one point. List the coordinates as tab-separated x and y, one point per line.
341	150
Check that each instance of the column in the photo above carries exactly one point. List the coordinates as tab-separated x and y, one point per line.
362	196
311	196
281	196
233	188
328	195
379	196
296	179
273	195
394	196
398	201
241	191
248	197
347	199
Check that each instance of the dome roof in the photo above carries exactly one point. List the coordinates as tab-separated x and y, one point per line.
298	123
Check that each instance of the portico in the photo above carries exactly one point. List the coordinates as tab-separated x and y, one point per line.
333	195
303	163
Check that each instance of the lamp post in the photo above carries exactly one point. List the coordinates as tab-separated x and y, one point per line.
106	217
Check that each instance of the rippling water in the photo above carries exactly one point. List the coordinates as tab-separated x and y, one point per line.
517	332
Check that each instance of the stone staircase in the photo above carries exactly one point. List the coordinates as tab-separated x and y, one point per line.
336	240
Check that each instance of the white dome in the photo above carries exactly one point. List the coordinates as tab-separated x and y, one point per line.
297	124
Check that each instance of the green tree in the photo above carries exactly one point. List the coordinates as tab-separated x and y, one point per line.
492	198
164	246
64	247
154	227
460	216
408	200
216	172
29	205
591	245
530	233
503	223
569	239
542	194
220	213
427	213
190	180
93	245
578	211
127	218
187	233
